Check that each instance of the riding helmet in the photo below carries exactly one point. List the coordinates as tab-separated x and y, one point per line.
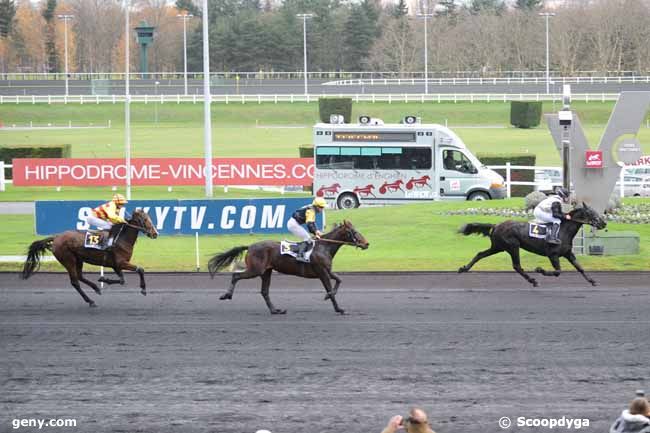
319	202
563	193
119	199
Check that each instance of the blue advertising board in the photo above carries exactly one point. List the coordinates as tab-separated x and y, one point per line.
182	216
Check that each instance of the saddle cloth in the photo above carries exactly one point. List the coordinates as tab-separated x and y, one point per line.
537	229
291	249
95	240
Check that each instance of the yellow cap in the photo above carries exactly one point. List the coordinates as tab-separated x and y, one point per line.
319	202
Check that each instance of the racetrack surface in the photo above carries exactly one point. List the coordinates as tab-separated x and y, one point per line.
467	348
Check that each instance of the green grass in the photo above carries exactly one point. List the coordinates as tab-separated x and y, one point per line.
255	130
402	238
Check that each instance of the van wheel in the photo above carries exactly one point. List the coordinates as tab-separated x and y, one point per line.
478	196
347	201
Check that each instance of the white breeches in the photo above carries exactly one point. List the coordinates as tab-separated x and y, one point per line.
546	217
298	230
92	220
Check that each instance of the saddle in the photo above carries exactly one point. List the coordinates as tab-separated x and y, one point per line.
538	229
96	239
289	248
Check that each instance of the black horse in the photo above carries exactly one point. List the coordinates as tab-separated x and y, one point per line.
509	236
263	257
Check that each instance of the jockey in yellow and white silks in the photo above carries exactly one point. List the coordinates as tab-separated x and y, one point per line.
549	211
306	215
107	215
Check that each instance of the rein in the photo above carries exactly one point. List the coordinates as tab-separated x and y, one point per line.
338	242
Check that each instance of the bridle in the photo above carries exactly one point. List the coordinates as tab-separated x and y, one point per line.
137	227
351	233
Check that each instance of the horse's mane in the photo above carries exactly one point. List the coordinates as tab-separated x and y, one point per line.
337	227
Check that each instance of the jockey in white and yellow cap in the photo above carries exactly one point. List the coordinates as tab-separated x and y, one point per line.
306	215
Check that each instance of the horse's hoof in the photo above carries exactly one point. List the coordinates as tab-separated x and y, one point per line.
226	297
534	283
539	270
278	311
462	269
341	312
593	283
144	292
98	291
92	304
102	280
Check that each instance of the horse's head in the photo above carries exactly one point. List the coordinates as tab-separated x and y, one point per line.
347	233
141	220
587	215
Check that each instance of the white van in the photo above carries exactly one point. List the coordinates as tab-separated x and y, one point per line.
366	163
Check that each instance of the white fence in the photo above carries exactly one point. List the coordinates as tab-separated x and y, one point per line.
259	99
626	188
459	81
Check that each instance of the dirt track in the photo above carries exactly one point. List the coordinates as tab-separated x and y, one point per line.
469	349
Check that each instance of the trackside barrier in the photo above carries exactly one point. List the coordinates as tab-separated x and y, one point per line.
622	184
302	98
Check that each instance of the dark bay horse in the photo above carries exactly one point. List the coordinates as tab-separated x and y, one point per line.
509	236
69	250
264	257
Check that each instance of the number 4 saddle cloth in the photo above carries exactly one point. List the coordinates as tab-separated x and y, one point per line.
537	229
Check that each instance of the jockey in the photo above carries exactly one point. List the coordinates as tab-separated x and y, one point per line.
549	210
107	215
306	215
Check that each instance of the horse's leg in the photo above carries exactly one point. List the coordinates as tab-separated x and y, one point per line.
516	265
131	267
336	278
555	261
247	274
572	258
483	254
70	263
266	283
118	272
80	274
323	274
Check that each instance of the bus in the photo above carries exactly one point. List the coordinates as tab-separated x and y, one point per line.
375	163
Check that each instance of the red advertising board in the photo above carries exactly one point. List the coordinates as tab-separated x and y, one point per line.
162	171
594	159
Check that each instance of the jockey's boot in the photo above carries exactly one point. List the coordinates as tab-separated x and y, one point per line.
553	236
303	247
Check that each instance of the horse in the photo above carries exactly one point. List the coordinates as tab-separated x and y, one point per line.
265	256
509	236
69	250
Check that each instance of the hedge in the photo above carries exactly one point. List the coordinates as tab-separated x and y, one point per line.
515	175
9	153
525	114
329	106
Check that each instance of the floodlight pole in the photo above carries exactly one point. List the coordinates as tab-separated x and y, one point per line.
185	17
426	52
305	17
65	19
127	101
547	15
207	118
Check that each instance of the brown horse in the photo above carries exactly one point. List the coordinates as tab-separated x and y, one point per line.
69	250
264	257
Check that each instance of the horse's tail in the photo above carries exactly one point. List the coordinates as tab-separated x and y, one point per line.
476	228
222	260
34	254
